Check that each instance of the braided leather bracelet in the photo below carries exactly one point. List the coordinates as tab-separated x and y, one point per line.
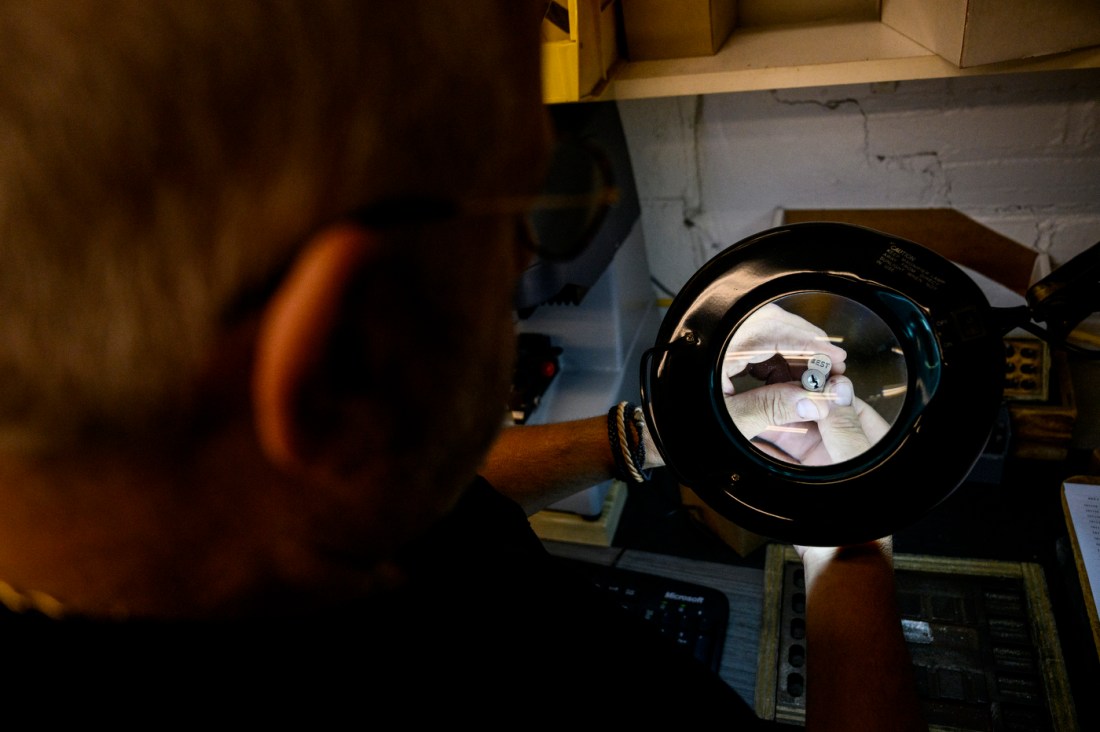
625	425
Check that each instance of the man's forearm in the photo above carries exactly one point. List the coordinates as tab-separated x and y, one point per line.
859	673
539	465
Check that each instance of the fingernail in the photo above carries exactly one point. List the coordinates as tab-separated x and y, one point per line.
844	394
806	409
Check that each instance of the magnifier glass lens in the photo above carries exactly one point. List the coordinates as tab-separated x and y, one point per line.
813	378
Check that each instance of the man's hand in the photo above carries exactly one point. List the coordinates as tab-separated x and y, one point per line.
772	330
859	673
811	428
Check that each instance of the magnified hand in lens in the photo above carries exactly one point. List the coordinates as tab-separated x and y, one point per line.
819	426
832	426
772	332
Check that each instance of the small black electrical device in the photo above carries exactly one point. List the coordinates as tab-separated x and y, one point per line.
536	366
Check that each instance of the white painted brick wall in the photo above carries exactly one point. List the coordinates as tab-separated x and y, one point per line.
1019	153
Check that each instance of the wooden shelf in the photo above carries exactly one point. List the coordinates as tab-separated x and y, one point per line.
805	55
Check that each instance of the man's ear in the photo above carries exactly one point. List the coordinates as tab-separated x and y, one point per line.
295	326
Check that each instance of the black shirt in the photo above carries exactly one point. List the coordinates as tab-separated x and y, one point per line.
491	629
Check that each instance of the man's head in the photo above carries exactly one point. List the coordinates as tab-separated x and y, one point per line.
173	185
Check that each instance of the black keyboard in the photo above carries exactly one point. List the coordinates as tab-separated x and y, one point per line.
693	615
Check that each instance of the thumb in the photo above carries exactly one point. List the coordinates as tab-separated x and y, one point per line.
775	405
841	430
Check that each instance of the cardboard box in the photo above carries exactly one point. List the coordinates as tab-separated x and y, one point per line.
951	233
975	32
580	46
565	526
657	29
785	12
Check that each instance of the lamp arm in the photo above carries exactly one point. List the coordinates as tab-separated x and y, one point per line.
1060	301
1067	295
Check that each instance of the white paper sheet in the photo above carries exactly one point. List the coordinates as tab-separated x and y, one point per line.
1083	505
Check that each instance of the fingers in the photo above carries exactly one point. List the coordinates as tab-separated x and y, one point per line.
872	422
852	426
824	554
777	405
815	428
772	330
843	425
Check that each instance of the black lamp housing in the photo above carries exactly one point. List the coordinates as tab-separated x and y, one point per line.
943	343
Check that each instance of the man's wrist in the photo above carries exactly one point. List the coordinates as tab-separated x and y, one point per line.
871	556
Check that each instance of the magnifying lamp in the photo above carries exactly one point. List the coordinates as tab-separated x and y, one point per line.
828	384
